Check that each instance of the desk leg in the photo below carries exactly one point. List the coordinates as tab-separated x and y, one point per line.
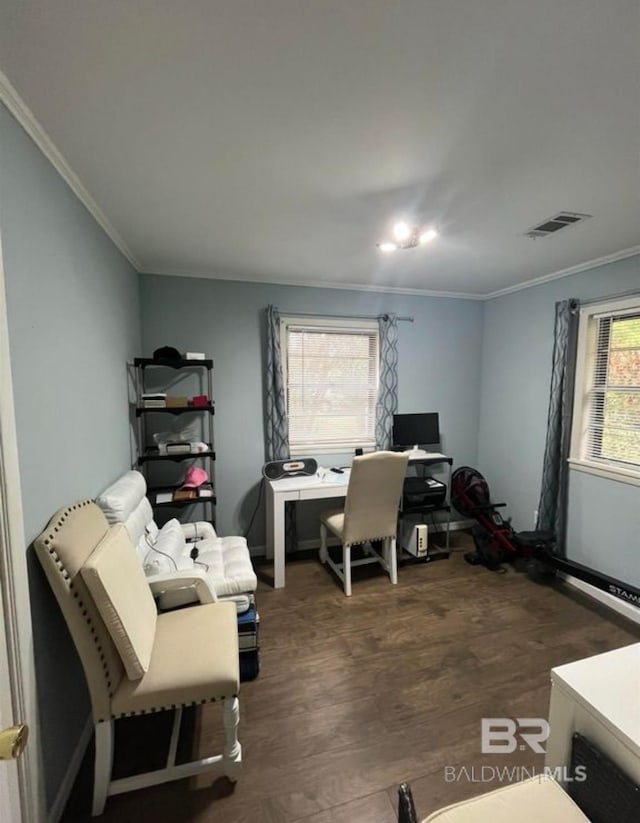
274	515
278	543
275	534
269	510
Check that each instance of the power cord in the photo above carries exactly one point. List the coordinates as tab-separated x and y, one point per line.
255	511
158	551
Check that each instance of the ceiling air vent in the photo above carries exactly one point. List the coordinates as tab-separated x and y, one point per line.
554	224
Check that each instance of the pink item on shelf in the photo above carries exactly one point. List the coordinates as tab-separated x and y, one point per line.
194	477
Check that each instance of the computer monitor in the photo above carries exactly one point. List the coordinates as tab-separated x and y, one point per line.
416	430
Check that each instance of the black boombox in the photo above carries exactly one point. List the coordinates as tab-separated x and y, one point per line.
277	469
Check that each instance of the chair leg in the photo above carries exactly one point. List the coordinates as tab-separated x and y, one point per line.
102	765
393	560
232	756
346	569
323	543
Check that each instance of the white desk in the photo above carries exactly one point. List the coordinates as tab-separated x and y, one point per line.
600	698
323	485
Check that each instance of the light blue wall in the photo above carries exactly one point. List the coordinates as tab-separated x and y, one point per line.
73	312
604	525
516	365
439	367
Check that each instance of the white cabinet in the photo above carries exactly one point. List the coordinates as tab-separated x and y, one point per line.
599	697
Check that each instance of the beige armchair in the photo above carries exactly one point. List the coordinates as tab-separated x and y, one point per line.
135	660
370	514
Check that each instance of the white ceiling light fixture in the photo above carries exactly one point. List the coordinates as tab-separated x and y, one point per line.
427	236
406	236
402	231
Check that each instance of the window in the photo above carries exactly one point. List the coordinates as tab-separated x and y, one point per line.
606	424
331	383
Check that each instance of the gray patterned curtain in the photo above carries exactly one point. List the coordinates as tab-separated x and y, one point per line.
552	508
387	404
276	424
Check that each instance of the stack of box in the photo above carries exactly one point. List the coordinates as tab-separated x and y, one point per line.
249	641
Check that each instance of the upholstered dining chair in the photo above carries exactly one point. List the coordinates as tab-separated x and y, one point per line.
370	514
135	660
529	801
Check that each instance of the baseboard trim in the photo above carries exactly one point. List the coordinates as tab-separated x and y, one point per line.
314	542
614	603
57	807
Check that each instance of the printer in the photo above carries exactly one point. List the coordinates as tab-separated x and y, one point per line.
423	491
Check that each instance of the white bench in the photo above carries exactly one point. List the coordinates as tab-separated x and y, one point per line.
222	563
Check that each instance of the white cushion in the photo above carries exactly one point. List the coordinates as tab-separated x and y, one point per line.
121	498
118	587
333	519
229	565
229	572
141	522
167	552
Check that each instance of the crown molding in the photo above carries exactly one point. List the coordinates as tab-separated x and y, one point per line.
546	278
203	275
527	284
25	117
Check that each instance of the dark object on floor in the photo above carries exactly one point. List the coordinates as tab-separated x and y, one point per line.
249	665
249	642
539	571
486	552
406	807
607	795
495	539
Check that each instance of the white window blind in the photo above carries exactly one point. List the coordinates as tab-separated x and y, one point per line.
613	397
331	374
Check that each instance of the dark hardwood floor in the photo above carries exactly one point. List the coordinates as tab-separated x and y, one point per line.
358	694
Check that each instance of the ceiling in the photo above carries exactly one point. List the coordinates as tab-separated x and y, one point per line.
277	141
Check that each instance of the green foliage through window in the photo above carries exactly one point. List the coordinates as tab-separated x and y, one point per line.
614	394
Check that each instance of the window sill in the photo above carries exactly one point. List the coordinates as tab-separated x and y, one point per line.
617	473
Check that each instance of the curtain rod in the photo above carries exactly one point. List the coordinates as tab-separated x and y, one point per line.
620	295
407	319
